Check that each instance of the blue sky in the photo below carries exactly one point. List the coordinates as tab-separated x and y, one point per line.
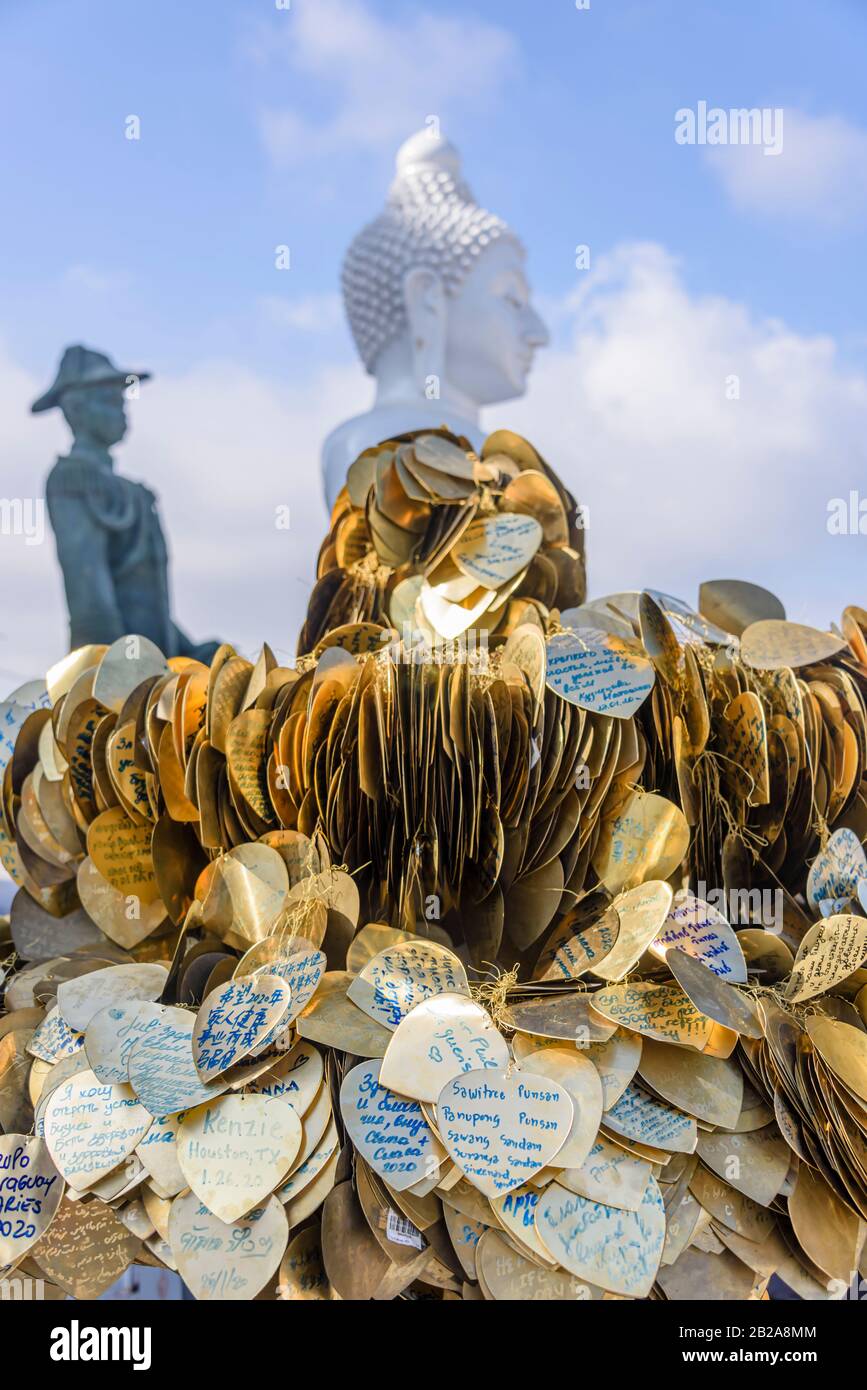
570	140
262	126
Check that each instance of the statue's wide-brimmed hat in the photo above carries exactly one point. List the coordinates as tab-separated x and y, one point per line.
81	366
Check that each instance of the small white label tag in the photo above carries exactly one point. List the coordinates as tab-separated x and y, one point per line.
401	1231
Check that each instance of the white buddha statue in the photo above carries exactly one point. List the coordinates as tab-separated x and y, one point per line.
439	306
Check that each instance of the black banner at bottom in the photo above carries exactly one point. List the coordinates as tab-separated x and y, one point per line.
158	1337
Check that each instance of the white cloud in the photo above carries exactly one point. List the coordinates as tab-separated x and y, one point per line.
317	313
684	484
380	79
32	612
819	177
224	448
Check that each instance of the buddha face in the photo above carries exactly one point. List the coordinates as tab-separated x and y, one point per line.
493	329
97	412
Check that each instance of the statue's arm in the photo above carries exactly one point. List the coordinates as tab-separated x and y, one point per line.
82	549
184	645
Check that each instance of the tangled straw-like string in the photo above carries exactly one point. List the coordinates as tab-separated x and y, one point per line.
493	994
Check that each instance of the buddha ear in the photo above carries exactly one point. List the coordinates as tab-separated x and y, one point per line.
424	299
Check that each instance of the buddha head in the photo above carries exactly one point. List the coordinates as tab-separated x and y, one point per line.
435	287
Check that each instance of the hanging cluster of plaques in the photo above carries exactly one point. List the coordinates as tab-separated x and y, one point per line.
505	946
428	536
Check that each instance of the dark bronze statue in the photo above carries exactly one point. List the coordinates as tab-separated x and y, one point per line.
110	542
